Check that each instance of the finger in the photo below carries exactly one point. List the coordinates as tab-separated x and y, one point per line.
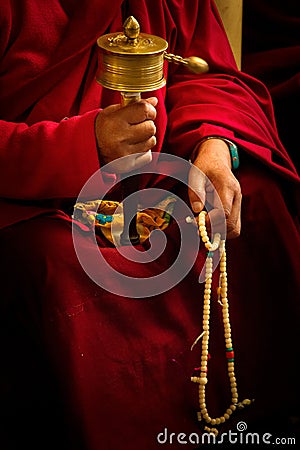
142	147
196	190
234	220
133	162
142	131
139	111
230	197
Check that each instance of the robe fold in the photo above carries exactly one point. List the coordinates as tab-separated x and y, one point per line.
83	368
271	53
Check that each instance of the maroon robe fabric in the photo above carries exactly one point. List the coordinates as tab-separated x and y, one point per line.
271	53
83	368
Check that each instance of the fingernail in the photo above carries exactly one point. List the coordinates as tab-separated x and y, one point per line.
197	206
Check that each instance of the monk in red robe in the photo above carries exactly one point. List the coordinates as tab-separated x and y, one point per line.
81	366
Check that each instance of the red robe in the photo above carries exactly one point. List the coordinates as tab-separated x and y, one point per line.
271	53
108	371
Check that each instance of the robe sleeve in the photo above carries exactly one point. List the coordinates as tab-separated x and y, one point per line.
32	157
225	101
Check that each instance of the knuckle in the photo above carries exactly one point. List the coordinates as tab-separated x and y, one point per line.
152	141
148	110
233	229
227	212
233	184
150	127
238	190
236	187
235	233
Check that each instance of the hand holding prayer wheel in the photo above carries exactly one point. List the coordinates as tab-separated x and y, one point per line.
132	62
127	130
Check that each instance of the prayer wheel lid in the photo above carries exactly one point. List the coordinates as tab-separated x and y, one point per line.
132	41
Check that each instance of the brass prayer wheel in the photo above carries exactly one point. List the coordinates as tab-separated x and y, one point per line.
133	61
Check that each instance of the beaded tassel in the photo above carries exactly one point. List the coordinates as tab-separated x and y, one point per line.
202	379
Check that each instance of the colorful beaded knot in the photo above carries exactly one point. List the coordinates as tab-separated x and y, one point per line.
103	219
202	378
96	218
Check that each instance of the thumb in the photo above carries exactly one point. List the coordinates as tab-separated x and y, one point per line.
197	183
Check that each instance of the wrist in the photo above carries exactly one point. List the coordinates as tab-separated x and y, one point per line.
231	146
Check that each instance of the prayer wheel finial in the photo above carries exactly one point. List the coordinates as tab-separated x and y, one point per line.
131	28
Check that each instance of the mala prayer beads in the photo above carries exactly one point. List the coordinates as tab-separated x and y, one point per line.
202	379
